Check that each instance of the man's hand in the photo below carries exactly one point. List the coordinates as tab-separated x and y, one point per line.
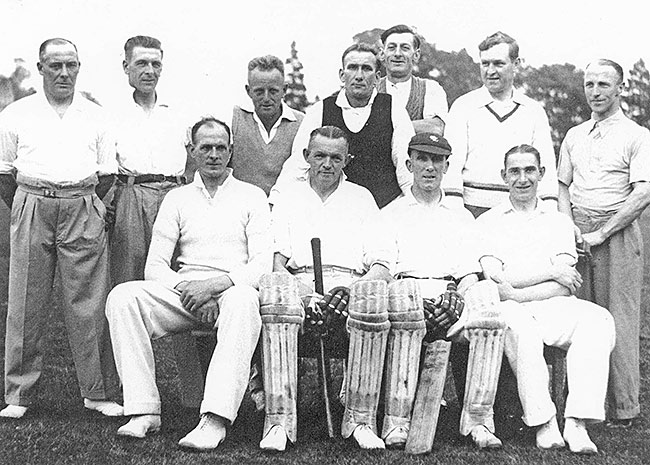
444	311
506	291
195	294
334	304
568	276
208	312
594	239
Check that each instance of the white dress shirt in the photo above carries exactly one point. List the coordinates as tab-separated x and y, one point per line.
38	143
267	137
347	223
149	142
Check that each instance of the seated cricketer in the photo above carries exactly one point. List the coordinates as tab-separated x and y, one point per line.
436	247
531	254
354	255
221	227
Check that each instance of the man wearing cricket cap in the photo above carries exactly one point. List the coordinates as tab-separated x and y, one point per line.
437	256
355	261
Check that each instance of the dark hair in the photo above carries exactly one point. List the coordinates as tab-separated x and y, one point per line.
611	63
141	41
401	29
362	47
208	120
266	63
500	38
330	132
523	148
53	41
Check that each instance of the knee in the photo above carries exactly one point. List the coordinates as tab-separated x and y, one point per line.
244	301
122	299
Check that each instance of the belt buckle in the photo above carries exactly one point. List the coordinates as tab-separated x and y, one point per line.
49	193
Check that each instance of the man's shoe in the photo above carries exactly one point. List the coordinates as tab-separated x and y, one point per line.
13	411
366	438
139	426
620	424
397	437
548	436
576	436
105	407
275	440
207	435
483	438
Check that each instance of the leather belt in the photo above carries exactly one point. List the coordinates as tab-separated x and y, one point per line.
326	268
142	178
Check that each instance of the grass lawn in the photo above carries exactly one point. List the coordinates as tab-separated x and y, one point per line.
58	429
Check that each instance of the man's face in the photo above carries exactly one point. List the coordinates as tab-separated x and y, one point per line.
59	67
266	90
211	151
498	69
400	55
143	68
359	75
602	89
326	158
428	169
522	174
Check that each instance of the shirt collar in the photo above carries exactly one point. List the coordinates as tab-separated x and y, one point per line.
485	98
609	121
399	85
541	207
287	112
342	100
412	201
199	184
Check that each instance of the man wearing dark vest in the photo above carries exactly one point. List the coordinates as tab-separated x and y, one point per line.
424	99
263	132
378	128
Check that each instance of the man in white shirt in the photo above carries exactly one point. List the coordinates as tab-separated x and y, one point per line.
379	130
436	246
222	229
346	219
484	123
263	130
530	253
424	99
57	146
151	155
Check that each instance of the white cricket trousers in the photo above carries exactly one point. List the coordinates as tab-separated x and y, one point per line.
584	329
139	311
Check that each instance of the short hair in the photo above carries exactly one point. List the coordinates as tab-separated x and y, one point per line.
362	47
330	132
266	63
401	29
141	41
500	38
611	63
54	41
523	148
209	120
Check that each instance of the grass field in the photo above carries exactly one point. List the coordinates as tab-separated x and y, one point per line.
58	429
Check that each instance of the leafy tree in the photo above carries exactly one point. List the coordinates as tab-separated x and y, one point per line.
295	96
11	88
636	97
560	89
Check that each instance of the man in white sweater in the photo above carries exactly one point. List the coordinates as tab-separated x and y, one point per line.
221	227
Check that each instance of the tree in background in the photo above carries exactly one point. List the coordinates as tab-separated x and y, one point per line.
560	89
636	97
296	96
11	88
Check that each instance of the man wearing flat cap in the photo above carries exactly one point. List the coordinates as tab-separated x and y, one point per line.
436	251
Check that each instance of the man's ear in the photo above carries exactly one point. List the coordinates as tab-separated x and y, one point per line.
39	67
341	75
347	160
409	165
248	89
305	153
542	170
503	175
417	55
444	170
125	65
